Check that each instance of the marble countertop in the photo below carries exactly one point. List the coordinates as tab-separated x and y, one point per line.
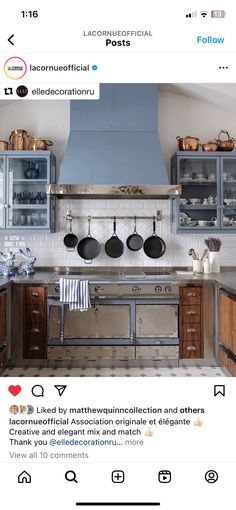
226	279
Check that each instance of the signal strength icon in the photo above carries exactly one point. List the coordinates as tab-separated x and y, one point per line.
191	14
204	13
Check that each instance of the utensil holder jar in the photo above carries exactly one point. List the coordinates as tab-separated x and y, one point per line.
214	259
197	266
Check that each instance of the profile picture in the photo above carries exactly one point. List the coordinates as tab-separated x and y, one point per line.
23	409
14	409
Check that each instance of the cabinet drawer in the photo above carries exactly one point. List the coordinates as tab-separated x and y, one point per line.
3	357
92	353
34	295
34	314
157	352
228	363
191	350
190	295
191	313
190	332
35	347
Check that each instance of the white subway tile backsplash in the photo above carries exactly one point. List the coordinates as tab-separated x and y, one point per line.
50	250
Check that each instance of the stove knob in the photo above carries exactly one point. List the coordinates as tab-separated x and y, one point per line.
135	288
158	289
168	288
98	289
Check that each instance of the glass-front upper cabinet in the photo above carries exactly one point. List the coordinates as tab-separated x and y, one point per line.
24	177
198	206
229	192
2	192
208	198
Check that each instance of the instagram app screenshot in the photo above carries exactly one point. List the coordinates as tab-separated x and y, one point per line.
117	255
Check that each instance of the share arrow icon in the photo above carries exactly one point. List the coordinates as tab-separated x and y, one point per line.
60	388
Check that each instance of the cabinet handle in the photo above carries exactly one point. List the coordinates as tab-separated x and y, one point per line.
34	348
191	294
191	312
36	312
35	330
35	294
191	330
191	348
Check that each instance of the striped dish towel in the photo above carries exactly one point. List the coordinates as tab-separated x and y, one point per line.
75	293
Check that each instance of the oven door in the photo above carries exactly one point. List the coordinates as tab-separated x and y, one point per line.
107	322
157	330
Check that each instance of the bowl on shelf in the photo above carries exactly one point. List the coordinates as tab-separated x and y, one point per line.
194	201
183	201
204	223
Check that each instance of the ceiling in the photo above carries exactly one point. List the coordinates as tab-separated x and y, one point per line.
219	94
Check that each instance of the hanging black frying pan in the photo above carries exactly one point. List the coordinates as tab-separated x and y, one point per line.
134	241
114	247
70	240
88	248
154	246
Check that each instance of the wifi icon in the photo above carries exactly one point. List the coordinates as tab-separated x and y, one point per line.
203	13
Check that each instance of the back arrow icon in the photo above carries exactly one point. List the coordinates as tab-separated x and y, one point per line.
10	39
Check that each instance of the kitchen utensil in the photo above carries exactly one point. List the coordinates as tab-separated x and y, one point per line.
188	143
18	139
70	240
3	145
154	246
214	220
204	254
192	253
209	146
88	248
213	243
36	144
225	145
134	241
114	247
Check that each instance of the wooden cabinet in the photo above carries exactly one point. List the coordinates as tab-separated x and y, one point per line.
190	323
228	362
3	327
227	321
35	323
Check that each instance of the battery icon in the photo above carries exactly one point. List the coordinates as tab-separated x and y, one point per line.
218	13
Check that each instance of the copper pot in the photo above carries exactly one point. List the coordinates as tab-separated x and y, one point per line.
18	140
3	145
38	144
188	143
210	146
225	145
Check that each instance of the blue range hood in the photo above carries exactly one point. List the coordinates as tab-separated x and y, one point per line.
113	147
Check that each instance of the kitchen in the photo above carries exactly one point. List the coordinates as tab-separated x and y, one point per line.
137	323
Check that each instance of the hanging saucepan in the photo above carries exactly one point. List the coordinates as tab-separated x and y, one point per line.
154	246
114	247
134	241
70	240
88	248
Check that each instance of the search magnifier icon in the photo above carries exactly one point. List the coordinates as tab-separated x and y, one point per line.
70	476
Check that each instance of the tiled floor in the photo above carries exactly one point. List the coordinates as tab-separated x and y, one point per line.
197	371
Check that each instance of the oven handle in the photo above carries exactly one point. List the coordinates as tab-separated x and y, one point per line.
55	302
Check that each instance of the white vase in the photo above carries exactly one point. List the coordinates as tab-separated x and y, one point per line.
214	259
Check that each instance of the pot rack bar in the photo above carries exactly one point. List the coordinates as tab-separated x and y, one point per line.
157	216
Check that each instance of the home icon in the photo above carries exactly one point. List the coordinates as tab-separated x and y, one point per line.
24	477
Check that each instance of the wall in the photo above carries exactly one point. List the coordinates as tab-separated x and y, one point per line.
178	115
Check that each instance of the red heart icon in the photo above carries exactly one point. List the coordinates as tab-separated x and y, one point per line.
14	390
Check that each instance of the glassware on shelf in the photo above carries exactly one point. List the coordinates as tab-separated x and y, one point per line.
35	219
